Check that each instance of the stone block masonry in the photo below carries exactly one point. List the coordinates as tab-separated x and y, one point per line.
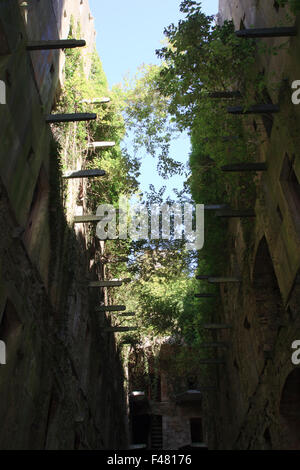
62	384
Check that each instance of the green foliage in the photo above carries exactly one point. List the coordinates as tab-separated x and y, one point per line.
122	169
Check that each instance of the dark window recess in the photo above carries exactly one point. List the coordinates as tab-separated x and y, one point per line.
254	125
291	189
267	120
294	300
77	440
52	411
10	327
276	6
268	440
290	410
8	79
156	432
196	430
269	306
140	429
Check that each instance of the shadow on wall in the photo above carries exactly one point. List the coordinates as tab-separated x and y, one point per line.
290	411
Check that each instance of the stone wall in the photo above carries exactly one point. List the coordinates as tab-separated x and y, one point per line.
62	385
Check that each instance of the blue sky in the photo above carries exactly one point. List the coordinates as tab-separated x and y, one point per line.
128	33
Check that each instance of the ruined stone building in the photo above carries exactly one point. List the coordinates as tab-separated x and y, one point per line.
258	398
62	384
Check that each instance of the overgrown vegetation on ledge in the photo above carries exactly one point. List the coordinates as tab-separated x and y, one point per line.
75	138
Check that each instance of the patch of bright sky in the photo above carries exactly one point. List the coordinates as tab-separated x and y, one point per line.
128	33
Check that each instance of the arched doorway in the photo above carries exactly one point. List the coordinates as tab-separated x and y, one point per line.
269	306
290	411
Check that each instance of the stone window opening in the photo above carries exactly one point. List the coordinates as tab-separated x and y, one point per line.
140	429
267	119
294	299
268	439
155	386
156	432
192	382
4	47
290	411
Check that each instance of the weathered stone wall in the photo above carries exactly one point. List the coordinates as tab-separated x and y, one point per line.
247	410
62	386
52	20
